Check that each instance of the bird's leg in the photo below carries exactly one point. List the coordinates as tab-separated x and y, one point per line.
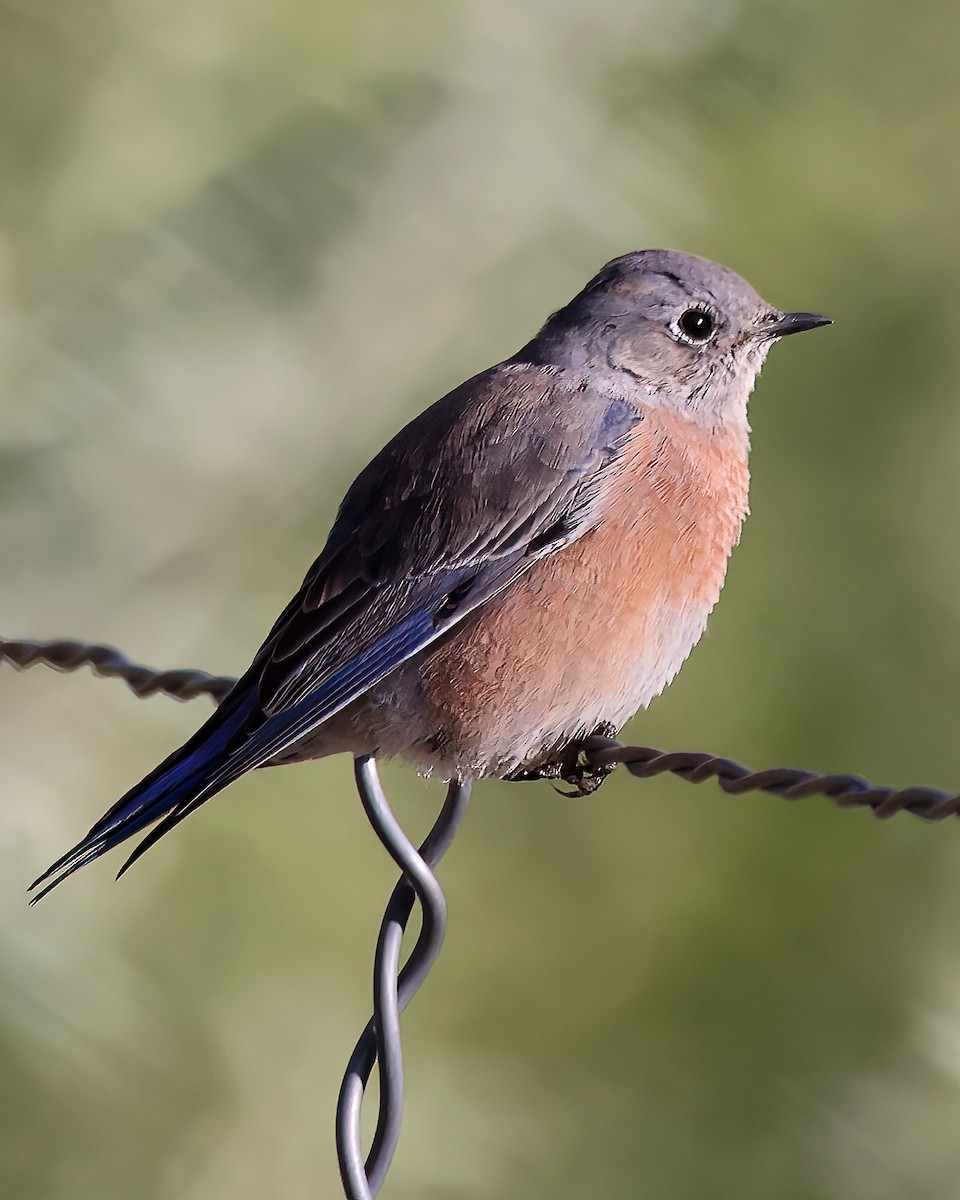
577	771
571	767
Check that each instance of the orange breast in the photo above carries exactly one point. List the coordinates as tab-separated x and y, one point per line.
594	632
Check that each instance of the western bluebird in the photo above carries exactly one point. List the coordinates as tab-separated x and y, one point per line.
531	558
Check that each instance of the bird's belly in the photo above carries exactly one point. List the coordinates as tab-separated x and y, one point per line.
586	637
567	650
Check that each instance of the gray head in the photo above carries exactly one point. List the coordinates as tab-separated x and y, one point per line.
693	333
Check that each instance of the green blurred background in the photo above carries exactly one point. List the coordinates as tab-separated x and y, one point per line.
240	244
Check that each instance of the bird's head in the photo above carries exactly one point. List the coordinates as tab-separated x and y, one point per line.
692	333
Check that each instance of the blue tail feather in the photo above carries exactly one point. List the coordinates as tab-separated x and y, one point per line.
174	783
240	736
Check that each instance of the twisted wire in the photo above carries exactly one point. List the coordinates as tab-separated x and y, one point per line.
392	989
107	662
790	783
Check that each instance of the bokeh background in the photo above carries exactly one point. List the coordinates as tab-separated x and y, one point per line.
240	244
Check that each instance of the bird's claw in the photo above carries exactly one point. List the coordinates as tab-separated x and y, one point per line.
572	768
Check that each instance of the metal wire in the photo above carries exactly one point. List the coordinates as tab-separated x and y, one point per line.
791	783
392	990
393	987
63	655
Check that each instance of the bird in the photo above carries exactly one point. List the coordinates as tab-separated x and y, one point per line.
529	560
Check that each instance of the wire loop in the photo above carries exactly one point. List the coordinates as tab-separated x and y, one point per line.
392	990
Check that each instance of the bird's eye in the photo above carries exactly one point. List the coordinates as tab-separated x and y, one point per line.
697	325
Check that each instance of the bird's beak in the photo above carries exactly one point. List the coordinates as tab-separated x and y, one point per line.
794	323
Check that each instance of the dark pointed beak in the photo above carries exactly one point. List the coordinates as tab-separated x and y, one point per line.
794	323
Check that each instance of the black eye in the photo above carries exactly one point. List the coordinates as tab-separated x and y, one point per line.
697	324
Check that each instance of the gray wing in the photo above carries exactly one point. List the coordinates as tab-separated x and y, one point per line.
500	472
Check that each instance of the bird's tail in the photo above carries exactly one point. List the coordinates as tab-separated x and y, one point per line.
171	790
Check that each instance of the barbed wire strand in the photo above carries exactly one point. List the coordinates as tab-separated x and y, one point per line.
379	1043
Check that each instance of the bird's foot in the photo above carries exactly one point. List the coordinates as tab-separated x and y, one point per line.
572	768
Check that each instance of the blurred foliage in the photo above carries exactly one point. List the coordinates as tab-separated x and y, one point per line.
239	245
